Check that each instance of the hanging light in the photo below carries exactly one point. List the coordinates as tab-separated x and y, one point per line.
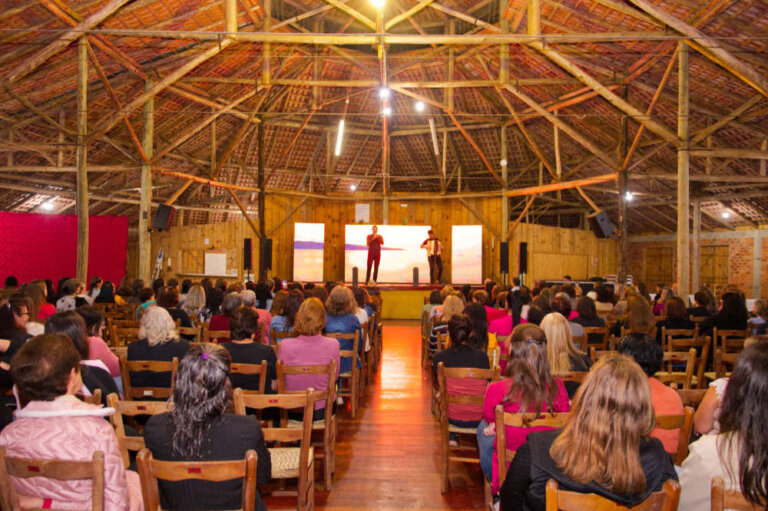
387	111
725	214
384	92
47	206
628	196
353	187
339	136
379	4
419	106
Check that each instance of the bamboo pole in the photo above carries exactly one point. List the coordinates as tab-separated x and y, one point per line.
261	183
683	183
696	247
145	208
480	217
725	152
563	185
362	18
407	14
623	155
82	163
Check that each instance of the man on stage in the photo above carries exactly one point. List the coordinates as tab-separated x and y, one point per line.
374	242
434	250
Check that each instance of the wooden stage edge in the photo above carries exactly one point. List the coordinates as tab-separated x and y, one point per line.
404	301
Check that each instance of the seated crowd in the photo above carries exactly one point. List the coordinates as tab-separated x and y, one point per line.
611	444
54	359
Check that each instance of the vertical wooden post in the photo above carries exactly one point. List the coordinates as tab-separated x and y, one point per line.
763	163
266	51
708	160
696	247
82	163
230	16
504	199
504	48
145	207
623	184
534	17
683	193
558	163
261	169
451	65
61	139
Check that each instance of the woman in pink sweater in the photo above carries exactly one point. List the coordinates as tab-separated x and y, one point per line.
97	347
53	423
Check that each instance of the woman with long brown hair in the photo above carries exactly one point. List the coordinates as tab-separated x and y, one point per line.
605	448
529	386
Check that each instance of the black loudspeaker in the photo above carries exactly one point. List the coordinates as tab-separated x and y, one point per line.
266	254
601	224
355	276
415	276
247	253
504	257
163	217
523	257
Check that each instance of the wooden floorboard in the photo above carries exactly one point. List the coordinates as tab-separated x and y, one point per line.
388	457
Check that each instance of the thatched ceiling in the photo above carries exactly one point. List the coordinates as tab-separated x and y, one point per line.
624	46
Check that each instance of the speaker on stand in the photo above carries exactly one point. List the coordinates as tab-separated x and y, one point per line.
504	261
247	257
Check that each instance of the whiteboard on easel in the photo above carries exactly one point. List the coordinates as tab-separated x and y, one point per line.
215	263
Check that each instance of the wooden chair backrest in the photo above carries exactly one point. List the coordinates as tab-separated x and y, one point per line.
328	395
62	470
596	354
698	319
425	325
353	353
252	369
604	330
93	399
442	340
678	357
723	359
130	392
192	331
303	400
666	333
685	345
580	341
730	340
503	344
213	335
122	336
275	336
685	423
577	376
132	409
150	470
561	500
447	398
723	499
691	397
519	420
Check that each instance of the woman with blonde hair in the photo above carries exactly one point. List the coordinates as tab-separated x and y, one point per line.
159	341
605	448
563	356
452	306
194	303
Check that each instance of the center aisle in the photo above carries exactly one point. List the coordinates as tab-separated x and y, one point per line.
388	457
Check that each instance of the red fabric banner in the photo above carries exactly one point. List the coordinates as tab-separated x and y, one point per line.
41	246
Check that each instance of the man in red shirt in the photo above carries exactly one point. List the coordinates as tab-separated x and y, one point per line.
374	242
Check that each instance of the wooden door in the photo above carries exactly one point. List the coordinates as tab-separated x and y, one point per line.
714	266
659	266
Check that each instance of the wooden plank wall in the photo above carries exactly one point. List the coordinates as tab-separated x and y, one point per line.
551	249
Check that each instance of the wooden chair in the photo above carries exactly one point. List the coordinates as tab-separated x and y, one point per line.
671	358
471	392
702	347
580	341
425	330
328	424
561	500
683	422
519	420
698	319
150	470
730	340
122	336
93	399
691	397
721	361
275	337
132	409
351	377
130	392
723	499
677	334
259	370
575	376
592	332
62	470
190	331
287	462
596	354
215	336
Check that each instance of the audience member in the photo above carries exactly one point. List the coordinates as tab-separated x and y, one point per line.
53	423
146	299
41	309
246	347
68	289
265	318
677	318
483	298
452	306
229	304
700	307
195	304
106	293
588	318
613	458
563	356
514	305
562	305
97	348
168	299
14	315
199	427
159	341
340	318
732	316
95	288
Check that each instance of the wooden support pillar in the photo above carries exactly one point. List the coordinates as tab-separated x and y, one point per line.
82	163
261	172
451	65
61	140
504	48
683	192
763	163
267	47
504	200
558	162
145	207
230	16
622	186
696	247
708	160
385	210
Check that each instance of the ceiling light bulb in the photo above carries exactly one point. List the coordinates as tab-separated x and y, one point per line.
379	4
503	163
339	137
419	106
725	214
384	92
47	206
386	111
628	196
353	187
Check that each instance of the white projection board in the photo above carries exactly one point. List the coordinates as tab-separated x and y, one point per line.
308	246
467	254
399	254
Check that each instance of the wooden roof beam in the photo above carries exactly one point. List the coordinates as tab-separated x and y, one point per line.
708	46
362	18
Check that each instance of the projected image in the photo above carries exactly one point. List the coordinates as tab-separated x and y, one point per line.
467	254
399	253
308	245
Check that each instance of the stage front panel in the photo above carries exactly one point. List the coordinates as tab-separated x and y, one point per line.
308	246
467	254
399	253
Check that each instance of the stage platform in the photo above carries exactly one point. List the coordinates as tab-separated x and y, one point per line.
404	301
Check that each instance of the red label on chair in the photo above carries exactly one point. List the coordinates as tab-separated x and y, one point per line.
145	365
141	407
32	468
274	401
305	369
194	470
